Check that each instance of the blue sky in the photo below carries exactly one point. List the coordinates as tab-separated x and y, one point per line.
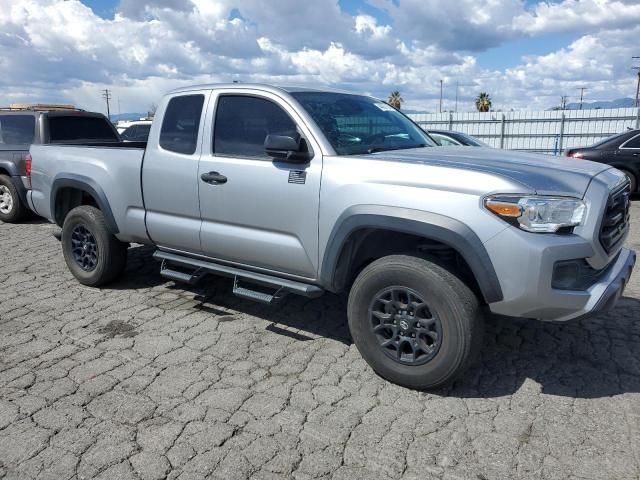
525	54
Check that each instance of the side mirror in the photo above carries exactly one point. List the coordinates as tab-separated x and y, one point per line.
286	148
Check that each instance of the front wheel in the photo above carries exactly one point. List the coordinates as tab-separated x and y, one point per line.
413	321
93	254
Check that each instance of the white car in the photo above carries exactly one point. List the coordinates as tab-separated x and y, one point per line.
122	126
137	131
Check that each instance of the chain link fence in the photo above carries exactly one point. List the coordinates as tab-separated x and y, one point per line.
548	132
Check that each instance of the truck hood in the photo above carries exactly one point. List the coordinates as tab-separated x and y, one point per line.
543	174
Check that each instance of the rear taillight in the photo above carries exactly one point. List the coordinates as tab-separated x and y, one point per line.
575	155
27	168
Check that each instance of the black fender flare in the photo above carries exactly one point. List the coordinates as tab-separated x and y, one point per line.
80	182
10	167
434	226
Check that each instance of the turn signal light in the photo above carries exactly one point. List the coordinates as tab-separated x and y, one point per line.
503	209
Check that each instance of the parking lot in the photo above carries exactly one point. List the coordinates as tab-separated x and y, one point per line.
146	379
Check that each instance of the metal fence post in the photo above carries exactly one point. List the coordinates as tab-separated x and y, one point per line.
502	122
450	121
561	136
638	116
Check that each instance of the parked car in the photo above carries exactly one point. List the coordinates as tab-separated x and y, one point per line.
138	132
39	124
122	126
621	151
450	138
306	191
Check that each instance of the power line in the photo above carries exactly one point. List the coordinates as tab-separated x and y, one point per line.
441	95
106	94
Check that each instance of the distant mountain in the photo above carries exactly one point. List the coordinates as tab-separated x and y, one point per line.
127	116
618	103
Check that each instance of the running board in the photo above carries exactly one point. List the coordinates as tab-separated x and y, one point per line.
178	276
280	284
256	295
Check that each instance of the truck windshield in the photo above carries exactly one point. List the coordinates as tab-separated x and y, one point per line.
355	124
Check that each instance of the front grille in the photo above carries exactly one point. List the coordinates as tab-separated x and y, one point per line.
615	221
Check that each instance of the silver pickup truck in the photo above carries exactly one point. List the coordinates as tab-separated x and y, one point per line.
291	190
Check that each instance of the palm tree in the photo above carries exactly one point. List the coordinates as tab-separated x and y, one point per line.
395	100
483	102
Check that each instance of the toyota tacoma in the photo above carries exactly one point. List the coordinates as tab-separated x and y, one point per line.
294	190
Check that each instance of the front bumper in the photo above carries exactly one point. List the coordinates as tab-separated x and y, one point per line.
527	283
525	265
606	293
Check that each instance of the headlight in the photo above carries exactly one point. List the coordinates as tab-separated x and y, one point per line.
537	214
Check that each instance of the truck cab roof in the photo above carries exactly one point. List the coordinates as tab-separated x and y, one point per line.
257	86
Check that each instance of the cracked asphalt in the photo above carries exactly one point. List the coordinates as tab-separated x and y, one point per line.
147	379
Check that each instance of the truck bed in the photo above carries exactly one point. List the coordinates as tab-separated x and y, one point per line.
111	169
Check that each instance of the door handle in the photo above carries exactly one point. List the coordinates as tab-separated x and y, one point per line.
213	178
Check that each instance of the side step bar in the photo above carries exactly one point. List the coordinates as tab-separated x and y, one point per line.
256	295
190	278
282	285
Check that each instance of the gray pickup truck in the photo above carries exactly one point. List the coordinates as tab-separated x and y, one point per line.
22	127
291	190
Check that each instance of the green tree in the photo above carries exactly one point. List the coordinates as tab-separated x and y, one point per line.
395	100
483	102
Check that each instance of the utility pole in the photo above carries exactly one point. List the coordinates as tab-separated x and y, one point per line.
637	94
563	102
107	96
582	89
457	85
441	96
638	88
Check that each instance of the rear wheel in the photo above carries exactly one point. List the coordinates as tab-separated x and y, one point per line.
94	255
413	321
11	208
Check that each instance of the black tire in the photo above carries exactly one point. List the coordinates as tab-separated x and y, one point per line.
85	227
632	179
11	208
447	299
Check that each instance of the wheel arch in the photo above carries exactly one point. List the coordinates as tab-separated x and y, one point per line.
356	222
627	167
8	168
70	190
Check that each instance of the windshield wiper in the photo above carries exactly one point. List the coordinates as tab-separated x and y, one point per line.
386	149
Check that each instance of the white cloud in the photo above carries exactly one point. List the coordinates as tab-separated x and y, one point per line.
578	16
54	50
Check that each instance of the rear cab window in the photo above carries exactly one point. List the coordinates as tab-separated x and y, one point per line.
181	123
69	128
17	129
